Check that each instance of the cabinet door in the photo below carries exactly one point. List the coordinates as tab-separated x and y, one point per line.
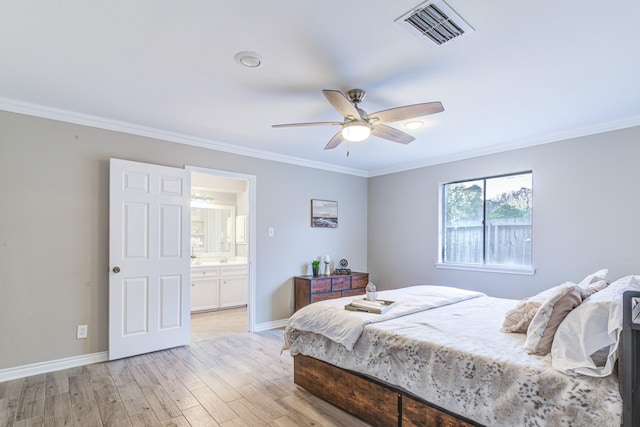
205	294
241	229
233	291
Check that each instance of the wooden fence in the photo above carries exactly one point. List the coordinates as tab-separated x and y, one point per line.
508	242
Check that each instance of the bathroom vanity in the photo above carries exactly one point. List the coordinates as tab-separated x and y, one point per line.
218	285
219	273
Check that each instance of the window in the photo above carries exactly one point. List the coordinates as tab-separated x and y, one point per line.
487	222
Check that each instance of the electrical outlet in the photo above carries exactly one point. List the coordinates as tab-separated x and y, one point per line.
82	331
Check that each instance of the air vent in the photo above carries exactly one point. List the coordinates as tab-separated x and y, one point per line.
434	20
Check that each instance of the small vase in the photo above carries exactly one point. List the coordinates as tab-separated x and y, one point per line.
316	270
371	292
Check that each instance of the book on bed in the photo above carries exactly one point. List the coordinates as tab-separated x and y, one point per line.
378	306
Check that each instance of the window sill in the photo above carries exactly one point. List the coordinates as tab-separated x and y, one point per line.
487	268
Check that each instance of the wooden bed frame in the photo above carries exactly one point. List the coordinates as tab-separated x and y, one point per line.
381	404
377	403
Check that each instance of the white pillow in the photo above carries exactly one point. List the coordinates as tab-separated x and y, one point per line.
593	278
591	327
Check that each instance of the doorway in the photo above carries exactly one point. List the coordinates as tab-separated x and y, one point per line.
222	253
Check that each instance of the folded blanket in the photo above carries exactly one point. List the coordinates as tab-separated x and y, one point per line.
329	318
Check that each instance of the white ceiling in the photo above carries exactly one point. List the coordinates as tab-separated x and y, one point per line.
532	72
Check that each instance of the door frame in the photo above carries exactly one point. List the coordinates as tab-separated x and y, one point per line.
251	232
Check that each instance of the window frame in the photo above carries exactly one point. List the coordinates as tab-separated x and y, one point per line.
489	268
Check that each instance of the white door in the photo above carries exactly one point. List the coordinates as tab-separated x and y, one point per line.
149	258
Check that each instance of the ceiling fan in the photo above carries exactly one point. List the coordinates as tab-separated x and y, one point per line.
358	125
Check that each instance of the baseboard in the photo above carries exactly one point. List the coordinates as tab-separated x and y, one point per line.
271	325
87	359
52	366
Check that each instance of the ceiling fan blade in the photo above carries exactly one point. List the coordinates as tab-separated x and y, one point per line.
392	134
335	141
406	112
341	103
288	125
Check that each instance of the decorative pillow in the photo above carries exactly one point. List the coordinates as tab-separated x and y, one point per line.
592	328
587	291
548	317
593	278
594	282
518	319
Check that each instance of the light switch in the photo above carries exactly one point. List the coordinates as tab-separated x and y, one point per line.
270	232
81	331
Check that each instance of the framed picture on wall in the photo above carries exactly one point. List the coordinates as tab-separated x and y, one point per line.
324	213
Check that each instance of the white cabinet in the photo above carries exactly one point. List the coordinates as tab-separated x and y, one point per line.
205	289
233	286
241	229
215	287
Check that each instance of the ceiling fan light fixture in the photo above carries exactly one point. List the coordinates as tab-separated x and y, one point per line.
413	124
356	131
358	125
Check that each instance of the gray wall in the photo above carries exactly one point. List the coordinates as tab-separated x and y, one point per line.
54	181
54	224
586	205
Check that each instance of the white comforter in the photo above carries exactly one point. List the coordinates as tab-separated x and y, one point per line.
456	357
330	319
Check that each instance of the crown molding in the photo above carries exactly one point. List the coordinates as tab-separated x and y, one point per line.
46	112
42	111
500	148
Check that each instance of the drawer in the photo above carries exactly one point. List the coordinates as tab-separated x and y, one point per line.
416	413
198	273
353	292
320	285
341	283
239	270
359	281
325	296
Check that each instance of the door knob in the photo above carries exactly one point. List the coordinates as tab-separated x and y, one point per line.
116	270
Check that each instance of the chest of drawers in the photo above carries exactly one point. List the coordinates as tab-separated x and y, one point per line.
310	289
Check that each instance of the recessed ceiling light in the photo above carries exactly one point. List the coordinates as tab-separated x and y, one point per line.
414	124
248	59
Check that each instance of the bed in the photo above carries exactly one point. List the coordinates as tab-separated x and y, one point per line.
443	360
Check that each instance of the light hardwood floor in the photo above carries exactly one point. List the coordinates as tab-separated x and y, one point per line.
240	379
214	324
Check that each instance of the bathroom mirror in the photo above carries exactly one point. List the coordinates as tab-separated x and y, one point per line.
212	230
